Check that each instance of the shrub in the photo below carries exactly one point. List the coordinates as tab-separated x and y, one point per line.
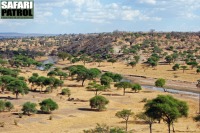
176	67
66	91
197	118
48	105
29	107
9	105
160	82
106	80
2	105
136	87
98	102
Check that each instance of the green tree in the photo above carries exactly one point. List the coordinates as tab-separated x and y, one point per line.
93	73
62	55
136	87
144	116
184	68
4	81
98	102
18	87
132	64
105	80
40	82
115	77
198	70
96	87
167	108
169	59
123	85
29	108
62	75
84	58
160	83
33	81
6	105
2	105
48	105
112	60
193	64
176	67
124	114
52	73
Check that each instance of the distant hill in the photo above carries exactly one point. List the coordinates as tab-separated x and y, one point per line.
17	35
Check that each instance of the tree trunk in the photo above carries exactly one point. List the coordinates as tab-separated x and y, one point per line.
173	127
169	127
83	82
17	94
124	92
96	93
150	127
126	125
2	90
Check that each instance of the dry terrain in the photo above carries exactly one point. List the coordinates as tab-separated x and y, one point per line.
75	116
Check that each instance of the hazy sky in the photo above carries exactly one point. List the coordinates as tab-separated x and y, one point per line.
86	16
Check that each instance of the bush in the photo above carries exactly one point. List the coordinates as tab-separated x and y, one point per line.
176	67
98	102
136	87
197	118
198	70
66	91
48	105
2	105
106	80
29	107
9	105
160	82
5	105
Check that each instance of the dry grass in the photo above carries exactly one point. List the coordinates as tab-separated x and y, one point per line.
74	116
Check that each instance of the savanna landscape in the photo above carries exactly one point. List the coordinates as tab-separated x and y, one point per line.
100	83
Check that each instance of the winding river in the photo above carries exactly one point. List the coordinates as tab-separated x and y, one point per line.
53	60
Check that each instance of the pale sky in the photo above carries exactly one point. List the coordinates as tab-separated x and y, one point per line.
89	16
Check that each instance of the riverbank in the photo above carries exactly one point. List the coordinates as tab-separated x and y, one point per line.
170	84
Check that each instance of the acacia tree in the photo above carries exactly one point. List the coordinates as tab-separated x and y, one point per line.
63	55
167	108
160	83
98	102
40	82
32	80
144	116
48	105
29	108
132	64
123	85
136	87
96	87
112	60
18	87
84	73
184	68
4	81
125	114
105	80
